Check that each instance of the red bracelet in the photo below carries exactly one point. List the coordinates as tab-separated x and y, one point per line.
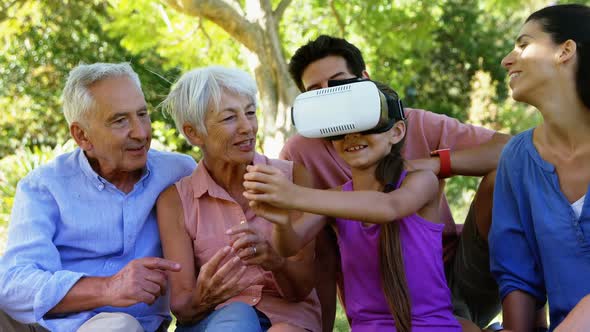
444	156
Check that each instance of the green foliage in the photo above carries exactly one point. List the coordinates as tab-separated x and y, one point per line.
341	322
430	51
183	42
44	40
16	166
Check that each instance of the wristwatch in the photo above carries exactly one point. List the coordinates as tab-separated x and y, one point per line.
444	156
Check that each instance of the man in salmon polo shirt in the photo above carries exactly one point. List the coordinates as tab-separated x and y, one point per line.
437	142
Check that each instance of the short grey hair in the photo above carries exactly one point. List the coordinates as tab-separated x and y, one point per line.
200	90
77	100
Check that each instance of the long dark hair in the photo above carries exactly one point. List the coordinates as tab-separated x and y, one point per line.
565	22
393	273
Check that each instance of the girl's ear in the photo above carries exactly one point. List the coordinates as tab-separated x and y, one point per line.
398	132
192	134
567	50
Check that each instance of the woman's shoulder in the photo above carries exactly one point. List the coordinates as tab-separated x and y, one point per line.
519	143
520	153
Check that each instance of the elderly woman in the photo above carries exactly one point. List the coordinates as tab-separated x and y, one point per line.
228	283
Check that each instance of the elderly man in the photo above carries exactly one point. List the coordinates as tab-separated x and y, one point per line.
83	242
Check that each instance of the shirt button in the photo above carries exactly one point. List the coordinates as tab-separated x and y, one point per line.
100	186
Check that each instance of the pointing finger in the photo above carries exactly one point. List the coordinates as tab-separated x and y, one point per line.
156	263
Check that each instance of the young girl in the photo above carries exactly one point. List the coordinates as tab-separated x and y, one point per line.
540	235
388	228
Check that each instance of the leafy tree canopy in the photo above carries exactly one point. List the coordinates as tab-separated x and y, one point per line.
44	40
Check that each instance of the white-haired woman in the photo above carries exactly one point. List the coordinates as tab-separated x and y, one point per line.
228	283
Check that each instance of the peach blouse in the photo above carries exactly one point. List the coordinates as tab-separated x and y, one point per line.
208	212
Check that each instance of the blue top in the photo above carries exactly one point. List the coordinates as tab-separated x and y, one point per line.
421	244
537	245
68	222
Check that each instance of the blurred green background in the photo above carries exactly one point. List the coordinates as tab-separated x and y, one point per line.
443	56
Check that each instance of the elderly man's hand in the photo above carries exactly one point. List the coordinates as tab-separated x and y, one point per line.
141	280
216	284
253	249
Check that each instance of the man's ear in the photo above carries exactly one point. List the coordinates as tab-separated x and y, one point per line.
80	135
398	132
192	134
365	74
567	51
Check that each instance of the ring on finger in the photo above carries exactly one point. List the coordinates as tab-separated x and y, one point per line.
254	248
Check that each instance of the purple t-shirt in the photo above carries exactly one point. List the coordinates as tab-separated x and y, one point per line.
421	243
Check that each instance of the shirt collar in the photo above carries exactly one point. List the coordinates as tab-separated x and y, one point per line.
202	181
98	181
534	153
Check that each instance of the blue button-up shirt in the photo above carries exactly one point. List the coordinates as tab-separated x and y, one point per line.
537	244
68	222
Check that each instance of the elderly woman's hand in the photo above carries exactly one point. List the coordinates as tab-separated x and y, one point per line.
217	283
267	184
253	249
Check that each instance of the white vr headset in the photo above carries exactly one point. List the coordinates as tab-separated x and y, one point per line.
346	106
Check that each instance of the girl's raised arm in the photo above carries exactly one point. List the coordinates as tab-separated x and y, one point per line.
264	184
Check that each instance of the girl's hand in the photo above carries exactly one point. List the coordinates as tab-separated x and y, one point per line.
277	216
267	184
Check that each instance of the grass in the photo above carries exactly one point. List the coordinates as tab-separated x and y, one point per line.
341	323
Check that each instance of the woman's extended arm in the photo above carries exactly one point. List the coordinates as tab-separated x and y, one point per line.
513	263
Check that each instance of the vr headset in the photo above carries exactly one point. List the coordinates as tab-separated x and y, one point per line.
346	106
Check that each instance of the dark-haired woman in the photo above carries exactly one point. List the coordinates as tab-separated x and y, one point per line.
540	236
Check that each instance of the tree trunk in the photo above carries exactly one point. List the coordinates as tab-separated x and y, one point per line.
257	30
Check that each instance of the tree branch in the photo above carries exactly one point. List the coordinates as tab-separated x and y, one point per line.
338	19
204	31
224	15
280	10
